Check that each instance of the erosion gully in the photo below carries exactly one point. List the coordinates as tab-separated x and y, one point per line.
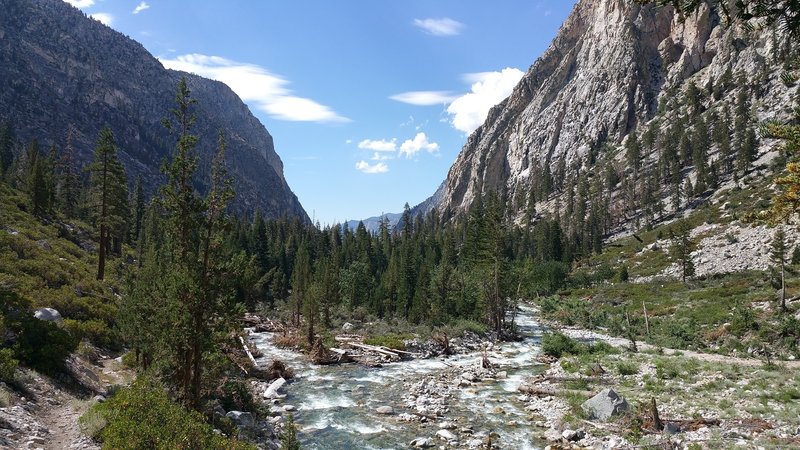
336	405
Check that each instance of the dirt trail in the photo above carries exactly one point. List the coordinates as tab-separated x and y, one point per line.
578	333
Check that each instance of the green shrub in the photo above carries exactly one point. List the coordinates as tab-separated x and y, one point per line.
95	331
142	416
288	436
558	344
236	397
627	368
43	345
391	340
8	365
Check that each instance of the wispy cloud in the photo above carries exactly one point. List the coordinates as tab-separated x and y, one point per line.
80	3
382	156
382	145
420	142
256	85
425	98
141	7
439	27
104	18
469	111
366	167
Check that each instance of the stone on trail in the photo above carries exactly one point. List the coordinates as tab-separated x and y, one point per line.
446	435
422	443
604	405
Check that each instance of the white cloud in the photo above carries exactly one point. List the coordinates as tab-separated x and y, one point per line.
80	3
382	145
366	167
348	141
104	18
142	6
379	156
439	27
469	111
425	98
419	143
256	85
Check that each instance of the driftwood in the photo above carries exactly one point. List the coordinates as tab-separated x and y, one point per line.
374	349
549	391
247	350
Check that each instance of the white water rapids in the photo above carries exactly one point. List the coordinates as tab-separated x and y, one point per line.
336	404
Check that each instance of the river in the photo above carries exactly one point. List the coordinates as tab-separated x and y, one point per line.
336	405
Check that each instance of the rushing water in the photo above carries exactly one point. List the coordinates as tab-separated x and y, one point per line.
336	404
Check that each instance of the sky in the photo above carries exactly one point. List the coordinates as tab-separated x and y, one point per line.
368	102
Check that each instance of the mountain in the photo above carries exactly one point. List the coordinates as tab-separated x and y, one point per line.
373	224
61	69
616	70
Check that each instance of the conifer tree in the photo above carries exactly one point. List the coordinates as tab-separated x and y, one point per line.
69	183
6	148
108	194
138	209
778	258
633	153
681	249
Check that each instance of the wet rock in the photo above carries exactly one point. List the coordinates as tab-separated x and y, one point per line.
422	443
274	387
241	419
289	408
604	405
384	410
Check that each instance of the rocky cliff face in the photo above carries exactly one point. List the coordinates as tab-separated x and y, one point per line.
59	68
602	78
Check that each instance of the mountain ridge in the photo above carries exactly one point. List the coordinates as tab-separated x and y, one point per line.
65	70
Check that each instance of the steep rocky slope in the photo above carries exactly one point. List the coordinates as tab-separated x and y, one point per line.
60	68
608	73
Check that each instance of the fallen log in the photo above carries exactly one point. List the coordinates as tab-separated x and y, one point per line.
247	350
374	349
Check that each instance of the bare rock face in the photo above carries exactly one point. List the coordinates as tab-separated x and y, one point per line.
61	69
601	78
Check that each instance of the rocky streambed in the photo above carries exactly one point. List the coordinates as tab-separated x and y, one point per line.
455	402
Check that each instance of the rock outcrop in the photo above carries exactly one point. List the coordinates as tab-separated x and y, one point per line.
604	76
61	69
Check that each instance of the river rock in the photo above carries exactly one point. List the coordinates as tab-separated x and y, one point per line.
447	426
48	315
384	410
272	390
241	419
422	443
289	408
446	435
604	405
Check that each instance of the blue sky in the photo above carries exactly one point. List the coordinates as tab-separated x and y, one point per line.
368	102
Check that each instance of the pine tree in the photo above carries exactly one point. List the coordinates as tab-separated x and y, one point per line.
38	176
108	194
6	148
633	153
138	209
778	259
69	183
681	249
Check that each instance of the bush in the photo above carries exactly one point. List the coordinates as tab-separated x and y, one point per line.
626	368
391	340
142	416
558	344
235	396
43	345
8	365
95	331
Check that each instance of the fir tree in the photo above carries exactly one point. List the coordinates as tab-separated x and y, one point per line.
6	148
108	194
681	249
778	259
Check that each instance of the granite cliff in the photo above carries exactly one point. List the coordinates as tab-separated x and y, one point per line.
61	69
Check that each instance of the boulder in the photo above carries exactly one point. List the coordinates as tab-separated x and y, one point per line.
289	408
447	435
272	390
604	405
384	410
48	315
241	419
347	327
422	443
